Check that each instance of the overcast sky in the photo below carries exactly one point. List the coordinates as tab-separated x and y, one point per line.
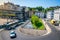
34	3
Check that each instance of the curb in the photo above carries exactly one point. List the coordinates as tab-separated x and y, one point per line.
47	28
21	26
1	30
34	32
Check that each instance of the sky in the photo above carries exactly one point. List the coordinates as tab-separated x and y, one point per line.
34	3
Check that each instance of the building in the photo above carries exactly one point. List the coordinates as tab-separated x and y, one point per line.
13	11
39	14
9	8
50	15
31	13
25	13
57	14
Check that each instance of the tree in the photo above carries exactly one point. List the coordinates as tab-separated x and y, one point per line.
32	9
40	8
36	22
48	9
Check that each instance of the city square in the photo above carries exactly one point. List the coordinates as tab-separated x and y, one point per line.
26	20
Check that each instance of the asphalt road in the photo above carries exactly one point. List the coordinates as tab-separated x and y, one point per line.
54	35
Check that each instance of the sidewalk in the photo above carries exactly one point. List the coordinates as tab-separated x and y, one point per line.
39	32
0	34
25	23
21	26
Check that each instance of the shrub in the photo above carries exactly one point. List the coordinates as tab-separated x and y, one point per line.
36	22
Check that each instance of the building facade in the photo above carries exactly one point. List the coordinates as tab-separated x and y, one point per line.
10	6
57	14
39	14
13	11
50	15
31	13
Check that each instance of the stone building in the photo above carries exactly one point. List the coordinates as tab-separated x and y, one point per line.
13	11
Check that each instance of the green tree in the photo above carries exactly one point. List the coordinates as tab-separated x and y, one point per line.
40	8
32	9
36	22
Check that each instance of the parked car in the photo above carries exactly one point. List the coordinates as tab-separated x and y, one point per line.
12	34
56	23
13	27
8	28
1	26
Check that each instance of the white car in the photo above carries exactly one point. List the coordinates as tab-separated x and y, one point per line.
12	34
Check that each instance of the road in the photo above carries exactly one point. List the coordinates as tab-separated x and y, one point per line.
54	35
